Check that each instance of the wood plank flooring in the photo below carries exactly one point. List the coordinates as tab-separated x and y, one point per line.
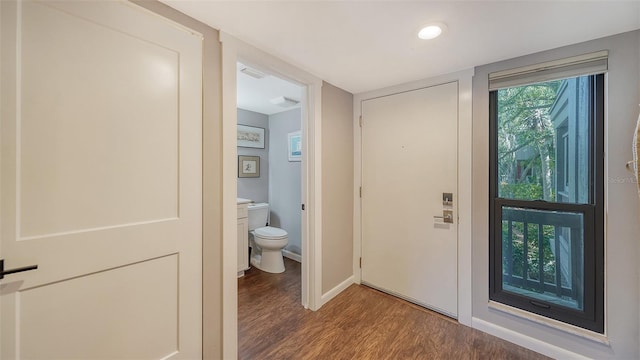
360	323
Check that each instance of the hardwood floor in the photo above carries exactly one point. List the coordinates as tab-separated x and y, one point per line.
360	323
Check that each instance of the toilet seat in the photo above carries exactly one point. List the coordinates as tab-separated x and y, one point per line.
270	233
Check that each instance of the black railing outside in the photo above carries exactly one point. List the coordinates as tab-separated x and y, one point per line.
536	265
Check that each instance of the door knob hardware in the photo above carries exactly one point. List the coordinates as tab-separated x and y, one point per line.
447	216
4	272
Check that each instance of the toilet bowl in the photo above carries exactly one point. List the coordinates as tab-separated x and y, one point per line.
266	242
266	255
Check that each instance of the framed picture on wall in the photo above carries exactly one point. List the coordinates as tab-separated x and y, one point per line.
248	166
295	146
250	136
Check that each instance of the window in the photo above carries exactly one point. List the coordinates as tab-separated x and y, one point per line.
547	197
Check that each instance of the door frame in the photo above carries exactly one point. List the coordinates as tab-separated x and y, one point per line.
464	79
234	50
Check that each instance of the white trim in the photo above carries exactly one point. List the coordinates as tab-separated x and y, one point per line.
291	255
232	51
229	205
357	183
465	210
524	341
559	325
326	297
464	79
312	151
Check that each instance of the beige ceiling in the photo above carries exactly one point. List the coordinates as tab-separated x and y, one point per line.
366	45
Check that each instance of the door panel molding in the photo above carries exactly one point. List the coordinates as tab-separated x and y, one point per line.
69	143
103	293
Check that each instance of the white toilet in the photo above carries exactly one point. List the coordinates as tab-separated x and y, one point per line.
266	242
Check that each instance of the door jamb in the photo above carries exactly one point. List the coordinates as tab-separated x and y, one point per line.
464	79
234	50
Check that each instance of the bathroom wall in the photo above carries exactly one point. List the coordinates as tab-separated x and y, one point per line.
256	189
285	178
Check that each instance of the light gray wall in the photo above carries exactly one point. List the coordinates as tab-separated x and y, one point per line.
622	244
337	186
285	178
256	189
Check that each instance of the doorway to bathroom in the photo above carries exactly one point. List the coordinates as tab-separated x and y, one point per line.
234	51
269	146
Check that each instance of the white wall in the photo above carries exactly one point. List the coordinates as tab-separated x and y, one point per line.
256	189
622	226
285	178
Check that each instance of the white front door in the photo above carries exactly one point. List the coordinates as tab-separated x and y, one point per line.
409	159
100	183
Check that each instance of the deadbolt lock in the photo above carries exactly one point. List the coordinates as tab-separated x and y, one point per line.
447	199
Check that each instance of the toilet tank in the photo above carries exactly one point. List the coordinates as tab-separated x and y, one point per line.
258	215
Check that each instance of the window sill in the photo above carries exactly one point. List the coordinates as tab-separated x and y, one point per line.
574	330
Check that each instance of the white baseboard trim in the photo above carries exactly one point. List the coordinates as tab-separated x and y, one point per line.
291	255
524	340
325	298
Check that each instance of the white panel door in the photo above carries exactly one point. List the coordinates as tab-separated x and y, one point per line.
409	159
100	183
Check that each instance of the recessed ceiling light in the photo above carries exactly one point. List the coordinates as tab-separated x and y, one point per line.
431	31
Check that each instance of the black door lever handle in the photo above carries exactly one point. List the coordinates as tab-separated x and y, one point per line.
4	272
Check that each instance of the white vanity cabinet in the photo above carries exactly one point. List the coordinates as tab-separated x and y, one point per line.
243	237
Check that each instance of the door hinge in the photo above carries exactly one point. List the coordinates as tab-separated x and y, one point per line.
360	121
302	206
360	263
360	191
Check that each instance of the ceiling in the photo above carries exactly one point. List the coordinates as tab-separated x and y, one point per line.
366	45
256	94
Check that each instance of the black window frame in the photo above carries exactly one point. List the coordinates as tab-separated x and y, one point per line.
592	316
